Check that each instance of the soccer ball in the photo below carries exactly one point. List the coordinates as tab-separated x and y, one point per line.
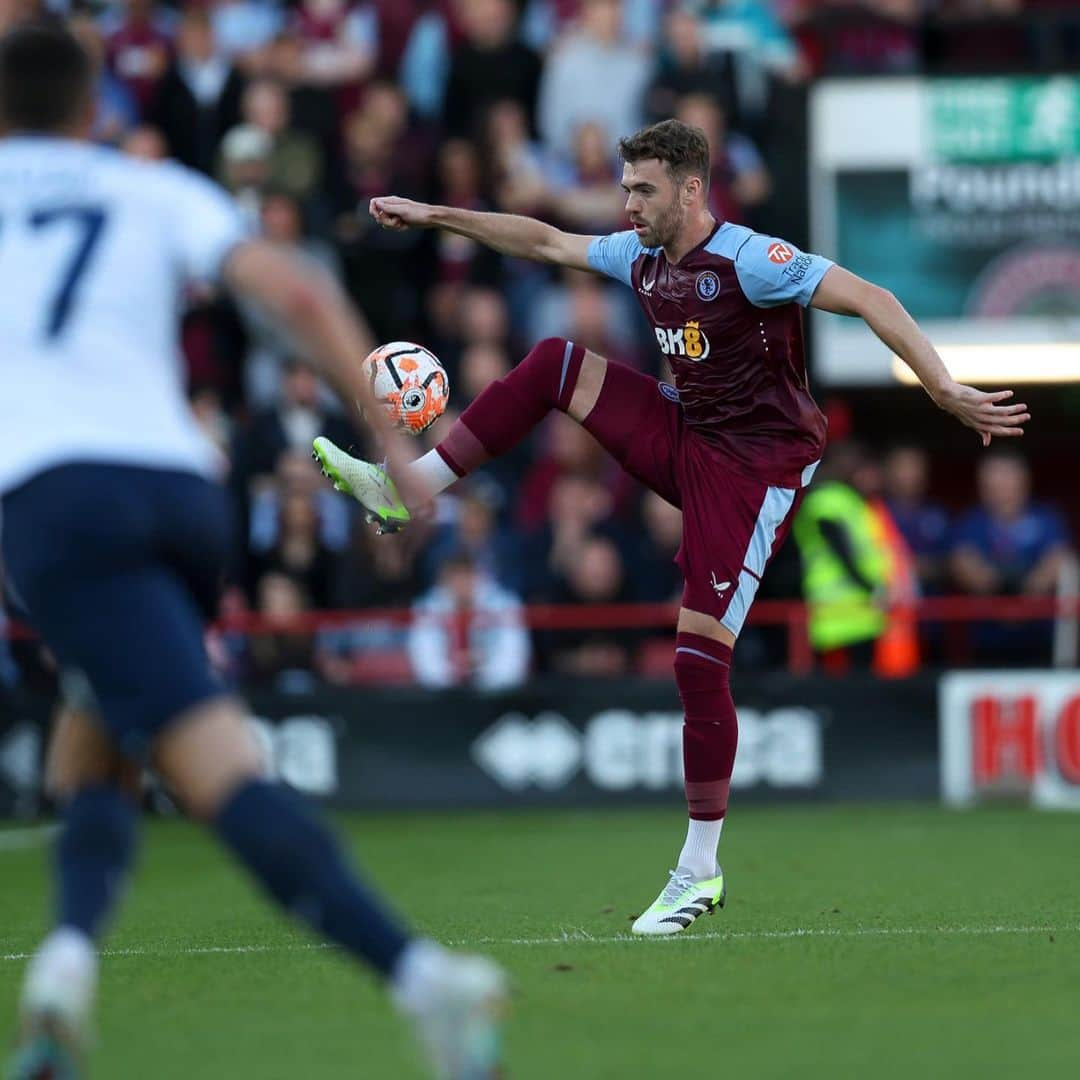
409	383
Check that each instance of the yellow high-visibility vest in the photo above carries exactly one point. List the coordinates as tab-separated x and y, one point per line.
841	611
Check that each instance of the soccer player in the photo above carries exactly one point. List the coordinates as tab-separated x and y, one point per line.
114	537
733	443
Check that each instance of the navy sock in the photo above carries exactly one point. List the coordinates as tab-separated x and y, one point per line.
296	859
93	857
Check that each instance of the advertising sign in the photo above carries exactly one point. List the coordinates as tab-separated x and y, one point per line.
962	196
1011	734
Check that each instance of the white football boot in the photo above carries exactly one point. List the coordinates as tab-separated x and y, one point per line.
54	1010
367	483
681	902
457	1005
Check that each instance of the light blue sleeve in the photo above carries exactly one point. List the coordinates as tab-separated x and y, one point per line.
773	272
614	254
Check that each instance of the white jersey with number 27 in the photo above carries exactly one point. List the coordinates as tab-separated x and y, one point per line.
96	252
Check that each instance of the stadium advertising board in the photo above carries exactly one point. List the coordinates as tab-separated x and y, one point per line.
962	196
558	742
1010	734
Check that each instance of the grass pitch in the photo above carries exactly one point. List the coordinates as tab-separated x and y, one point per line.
858	942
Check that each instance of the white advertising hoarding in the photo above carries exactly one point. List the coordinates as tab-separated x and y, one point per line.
1011	733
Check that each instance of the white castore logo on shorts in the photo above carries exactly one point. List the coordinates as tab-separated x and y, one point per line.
721	587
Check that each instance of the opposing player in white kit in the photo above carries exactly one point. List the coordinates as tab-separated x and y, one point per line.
114	536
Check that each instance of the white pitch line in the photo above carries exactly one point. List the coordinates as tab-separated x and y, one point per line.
582	937
30	837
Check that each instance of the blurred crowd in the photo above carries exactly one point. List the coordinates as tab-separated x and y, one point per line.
304	110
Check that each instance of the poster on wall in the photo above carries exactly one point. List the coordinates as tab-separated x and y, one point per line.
961	196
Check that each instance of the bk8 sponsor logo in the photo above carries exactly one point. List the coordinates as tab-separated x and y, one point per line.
689	341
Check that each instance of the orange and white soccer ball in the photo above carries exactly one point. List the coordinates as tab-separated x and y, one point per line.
410	383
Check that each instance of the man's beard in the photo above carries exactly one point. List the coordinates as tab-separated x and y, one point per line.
665	229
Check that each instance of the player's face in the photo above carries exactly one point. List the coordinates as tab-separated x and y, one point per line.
653	202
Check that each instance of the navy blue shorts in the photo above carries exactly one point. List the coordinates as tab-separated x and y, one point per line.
118	568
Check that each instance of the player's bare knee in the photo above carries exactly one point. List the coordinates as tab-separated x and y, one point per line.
697	622
209	754
79	755
590	382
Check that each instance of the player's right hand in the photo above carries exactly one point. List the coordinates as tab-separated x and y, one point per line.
394	212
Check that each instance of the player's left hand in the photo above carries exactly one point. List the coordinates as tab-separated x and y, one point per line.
984	412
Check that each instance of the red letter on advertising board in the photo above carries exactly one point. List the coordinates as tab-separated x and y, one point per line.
1067	738
1005	738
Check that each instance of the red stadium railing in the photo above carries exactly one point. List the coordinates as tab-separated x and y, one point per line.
788	615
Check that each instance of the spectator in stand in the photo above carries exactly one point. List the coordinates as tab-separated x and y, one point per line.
145	142
460	184
586	195
490	64
296	529
686	66
516	162
298	549
481	364
198	99
290	424
340	41
567	451
485	318
296	160
579	506
923	523
282	221
595	575
379	155
457	259
244	167
585	310
384	269
245	30
138	47
468	631
279	655
474	528
594	75
546	21
1009	546
116	111
846	37
655	576
747	35
377	571
739	181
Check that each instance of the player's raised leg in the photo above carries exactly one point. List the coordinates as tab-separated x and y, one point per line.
625	410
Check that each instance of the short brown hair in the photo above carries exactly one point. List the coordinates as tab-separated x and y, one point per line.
46	77
682	148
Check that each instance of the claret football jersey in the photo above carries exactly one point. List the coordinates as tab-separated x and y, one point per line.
728	318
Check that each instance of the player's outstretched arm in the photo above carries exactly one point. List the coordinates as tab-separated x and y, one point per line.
508	234
307	300
845	293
